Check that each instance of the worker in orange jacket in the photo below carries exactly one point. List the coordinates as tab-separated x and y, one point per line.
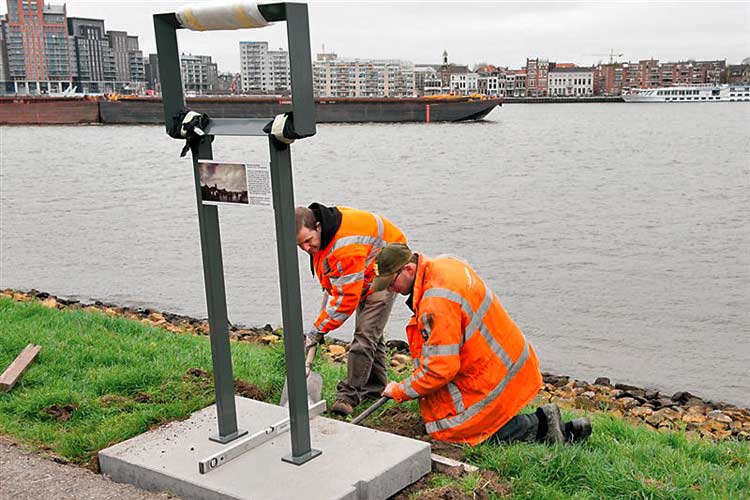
473	368
342	243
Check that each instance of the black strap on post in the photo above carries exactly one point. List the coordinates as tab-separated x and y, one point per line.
191	126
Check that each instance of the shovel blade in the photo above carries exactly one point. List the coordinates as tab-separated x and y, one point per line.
314	390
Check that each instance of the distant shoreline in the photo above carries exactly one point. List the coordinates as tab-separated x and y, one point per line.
562	100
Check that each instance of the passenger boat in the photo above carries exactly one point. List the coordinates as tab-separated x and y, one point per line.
690	93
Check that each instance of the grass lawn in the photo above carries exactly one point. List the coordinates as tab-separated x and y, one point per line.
99	380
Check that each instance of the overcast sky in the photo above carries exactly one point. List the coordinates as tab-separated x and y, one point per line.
500	33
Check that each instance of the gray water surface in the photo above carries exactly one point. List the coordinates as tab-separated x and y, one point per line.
617	236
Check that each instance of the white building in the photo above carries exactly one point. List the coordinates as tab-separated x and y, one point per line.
427	80
491	85
515	84
465	83
264	71
334	77
571	82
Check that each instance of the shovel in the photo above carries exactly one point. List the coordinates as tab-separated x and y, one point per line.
314	382
377	404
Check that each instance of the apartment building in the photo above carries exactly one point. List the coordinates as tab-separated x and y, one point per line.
151	70
612	79
738	73
3	50
136	63
92	52
199	74
334	77
264	71
36	42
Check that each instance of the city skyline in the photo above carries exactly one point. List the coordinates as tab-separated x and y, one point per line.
501	33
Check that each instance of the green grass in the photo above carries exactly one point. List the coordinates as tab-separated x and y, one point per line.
103	366
623	461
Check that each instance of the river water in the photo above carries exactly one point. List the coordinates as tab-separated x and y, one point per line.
617	236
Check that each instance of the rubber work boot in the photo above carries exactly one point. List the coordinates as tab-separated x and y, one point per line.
341	407
554	433
578	430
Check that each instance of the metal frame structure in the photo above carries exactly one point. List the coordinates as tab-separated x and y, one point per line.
303	107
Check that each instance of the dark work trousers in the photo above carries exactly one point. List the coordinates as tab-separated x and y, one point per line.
366	371
519	428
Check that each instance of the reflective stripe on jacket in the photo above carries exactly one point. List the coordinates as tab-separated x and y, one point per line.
473	368
345	268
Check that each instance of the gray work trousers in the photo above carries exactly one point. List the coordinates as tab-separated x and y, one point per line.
519	428
366	374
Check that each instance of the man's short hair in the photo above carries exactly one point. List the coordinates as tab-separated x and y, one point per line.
304	217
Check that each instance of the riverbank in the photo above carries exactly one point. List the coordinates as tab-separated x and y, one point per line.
562	99
102	378
680	411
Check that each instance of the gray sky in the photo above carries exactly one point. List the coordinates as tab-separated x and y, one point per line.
501	33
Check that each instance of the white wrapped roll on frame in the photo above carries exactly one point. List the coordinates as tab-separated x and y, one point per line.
222	15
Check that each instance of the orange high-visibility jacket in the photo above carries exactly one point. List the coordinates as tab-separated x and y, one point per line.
345	268
473	368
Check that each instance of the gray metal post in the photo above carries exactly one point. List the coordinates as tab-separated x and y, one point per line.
303	107
213	277
208	223
291	307
165	28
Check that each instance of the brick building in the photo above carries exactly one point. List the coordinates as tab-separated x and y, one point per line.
36	41
537	74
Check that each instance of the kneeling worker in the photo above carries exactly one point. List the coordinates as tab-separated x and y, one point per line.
473	368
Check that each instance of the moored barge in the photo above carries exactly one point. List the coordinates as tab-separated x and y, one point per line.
149	110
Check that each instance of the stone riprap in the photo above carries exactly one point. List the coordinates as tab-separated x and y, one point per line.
682	410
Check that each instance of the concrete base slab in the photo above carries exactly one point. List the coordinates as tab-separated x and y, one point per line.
357	463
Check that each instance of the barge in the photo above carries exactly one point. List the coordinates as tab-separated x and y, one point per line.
149	110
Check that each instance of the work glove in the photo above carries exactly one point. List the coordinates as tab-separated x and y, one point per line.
313	337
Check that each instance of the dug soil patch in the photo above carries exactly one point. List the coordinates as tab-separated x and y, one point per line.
406	423
486	483
241	387
61	413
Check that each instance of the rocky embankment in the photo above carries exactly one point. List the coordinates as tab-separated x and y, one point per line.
682	410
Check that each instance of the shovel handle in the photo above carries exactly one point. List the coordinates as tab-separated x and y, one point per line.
377	404
309	359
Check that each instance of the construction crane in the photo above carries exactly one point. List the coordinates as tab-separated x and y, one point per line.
612	55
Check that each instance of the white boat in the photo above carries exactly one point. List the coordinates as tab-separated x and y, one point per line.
690	93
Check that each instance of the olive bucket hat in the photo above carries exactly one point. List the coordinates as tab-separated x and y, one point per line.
389	261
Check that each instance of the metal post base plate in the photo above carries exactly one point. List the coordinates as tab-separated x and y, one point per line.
301	459
228	438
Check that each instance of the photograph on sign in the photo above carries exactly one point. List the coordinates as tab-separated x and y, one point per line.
223	182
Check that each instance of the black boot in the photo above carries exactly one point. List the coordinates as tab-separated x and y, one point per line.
551	428
578	430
